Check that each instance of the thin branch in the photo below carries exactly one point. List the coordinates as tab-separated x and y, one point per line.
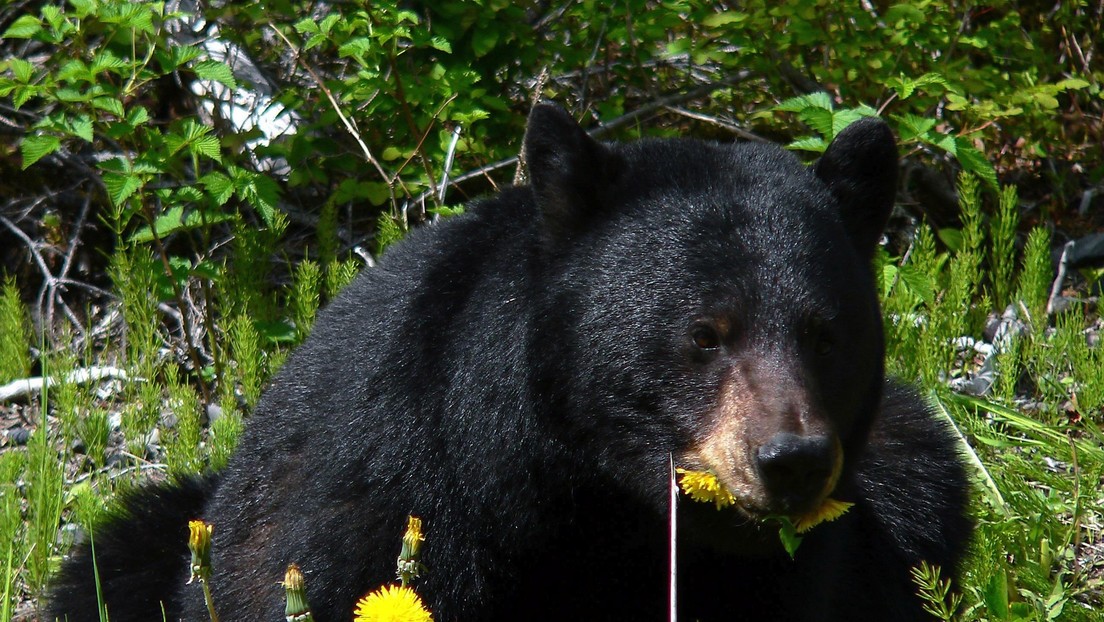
341	115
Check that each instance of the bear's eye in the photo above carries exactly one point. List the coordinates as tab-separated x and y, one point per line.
824	344
705	337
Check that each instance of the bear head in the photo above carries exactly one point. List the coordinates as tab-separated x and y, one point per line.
713	304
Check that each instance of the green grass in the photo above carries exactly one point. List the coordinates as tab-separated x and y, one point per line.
1033	440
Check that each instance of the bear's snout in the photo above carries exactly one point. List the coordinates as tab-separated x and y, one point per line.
797	471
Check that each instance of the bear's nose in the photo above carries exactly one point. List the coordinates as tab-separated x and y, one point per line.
795	469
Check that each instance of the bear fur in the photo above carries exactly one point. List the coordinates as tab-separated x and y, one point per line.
522	376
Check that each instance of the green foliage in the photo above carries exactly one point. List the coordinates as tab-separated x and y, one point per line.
935	591
15	358
115	109
305	297
1003	251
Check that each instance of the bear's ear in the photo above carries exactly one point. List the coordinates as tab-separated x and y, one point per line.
567	168
860	168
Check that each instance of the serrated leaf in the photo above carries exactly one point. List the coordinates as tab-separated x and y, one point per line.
38	146
328	22
137	116
358	46
726	17
820	120
819	99
219	186
218	71
440	43
104	61
842	118
82	128
918	282
120	186
910	126
109	104
207	146
25	27
21	69
177	219
182	54
809	143
73	70
306	25
974	161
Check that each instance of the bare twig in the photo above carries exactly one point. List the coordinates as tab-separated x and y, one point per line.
1056	288
448	164
728	125
349	127
659	104
30	386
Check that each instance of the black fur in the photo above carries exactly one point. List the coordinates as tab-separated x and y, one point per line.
519	376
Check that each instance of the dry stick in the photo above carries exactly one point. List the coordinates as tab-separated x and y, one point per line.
341	115
49	279
721	123
178	294
1056	288
404	106
521	170
449	155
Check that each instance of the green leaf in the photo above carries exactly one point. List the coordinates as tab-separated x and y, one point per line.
440	43
723	18
820	120
216	70
328	22
21	69
951	238
104	61
180	55
910	126
995	595
306	26
809	143
918	282
842	118
207	146
788	535
109	104
81	127
974	161
38	146
276	332
121	186
820	99
219	186
355	47
25	27
177	219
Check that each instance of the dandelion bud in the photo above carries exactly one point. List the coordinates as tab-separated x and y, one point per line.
298	609
199	542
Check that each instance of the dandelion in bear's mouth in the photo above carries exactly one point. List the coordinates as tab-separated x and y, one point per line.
392	603
704	487
830	510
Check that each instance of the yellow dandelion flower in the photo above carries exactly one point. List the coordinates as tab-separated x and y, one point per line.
392	603
830	510
704	487
413	538
199	542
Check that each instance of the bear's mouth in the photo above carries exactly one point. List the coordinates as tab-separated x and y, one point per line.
758	497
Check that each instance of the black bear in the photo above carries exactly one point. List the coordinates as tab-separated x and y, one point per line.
522	377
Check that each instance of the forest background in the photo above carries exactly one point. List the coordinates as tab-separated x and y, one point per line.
183	184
